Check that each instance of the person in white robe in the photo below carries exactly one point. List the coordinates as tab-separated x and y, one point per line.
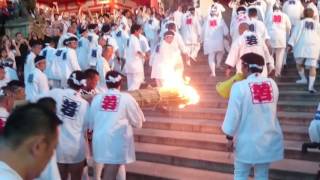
29	63
95	53
314	127
83	49
6	106
246	43
191	33
36	82
177	15
251	121
214	28
71	33
216	7
113	115
151	28
257	26
279	27
72	111
69	61
239	17
294	9
312	5
165	63
261	7
134	67
305	43
92	36
121	38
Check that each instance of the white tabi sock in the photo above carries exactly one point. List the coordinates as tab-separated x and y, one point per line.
301	74
311	82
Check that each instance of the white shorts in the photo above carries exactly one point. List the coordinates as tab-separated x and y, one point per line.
307	62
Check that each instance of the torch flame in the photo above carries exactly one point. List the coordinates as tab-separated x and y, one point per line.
186	92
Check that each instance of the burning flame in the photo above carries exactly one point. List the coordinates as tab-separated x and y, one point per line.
186	92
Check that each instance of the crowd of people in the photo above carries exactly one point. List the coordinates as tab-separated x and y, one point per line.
76	64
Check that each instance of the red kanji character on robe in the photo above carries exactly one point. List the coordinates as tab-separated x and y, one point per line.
110	103
261	93
189	21
213	23
276	19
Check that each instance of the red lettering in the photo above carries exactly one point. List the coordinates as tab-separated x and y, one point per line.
189	21
110	103
2	124
276	19
213	23
261	92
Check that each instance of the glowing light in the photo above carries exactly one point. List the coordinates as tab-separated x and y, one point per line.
175	82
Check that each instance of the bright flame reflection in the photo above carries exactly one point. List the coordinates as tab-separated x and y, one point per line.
186	92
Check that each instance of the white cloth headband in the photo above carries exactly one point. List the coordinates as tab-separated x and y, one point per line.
255	66
113	79
77	82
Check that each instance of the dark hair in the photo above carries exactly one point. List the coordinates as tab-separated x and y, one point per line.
135	28
79	75
48	103
18	33
253	58
16	83
124	12
29	120
91	73
252	12
241	8
113	74
308	12
35	43
171	26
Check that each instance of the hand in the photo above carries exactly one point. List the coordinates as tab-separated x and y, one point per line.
272	74
289	48
230	146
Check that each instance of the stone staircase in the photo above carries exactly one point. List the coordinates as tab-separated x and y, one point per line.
188	143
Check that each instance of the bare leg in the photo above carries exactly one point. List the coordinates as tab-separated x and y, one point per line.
111	171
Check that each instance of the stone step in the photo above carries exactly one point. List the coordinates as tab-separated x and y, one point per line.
218	161
290	118
142	170
211	126
213	142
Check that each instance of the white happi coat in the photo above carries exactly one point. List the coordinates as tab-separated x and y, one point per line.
11	73
50	54
305	39
144	44
83	51
95	53
58	64
165	61
121	38
249	42
177	15
294	9
93	39
29	64
314	127
151	28
190	29
215	29
134	63
36	83
279	26
6	172
72	111
69	63
113	116
102	67
258	27
251	118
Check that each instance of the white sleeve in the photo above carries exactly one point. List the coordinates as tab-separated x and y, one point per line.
43	84
233	55
74	61
134	113
233	114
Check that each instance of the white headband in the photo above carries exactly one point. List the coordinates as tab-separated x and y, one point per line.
113	79
255	66
77	82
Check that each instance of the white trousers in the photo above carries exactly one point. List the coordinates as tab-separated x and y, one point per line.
212	58
279	59
242	171
192	50
134	81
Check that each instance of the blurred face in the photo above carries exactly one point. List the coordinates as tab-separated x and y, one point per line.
20	94
92	82
4	54
19	37
37	49
169	39
107	54
2	74
102	42
73	44
41	65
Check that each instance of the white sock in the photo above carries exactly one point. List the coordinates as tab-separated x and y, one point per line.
311	82
121	173
301	74
212	64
